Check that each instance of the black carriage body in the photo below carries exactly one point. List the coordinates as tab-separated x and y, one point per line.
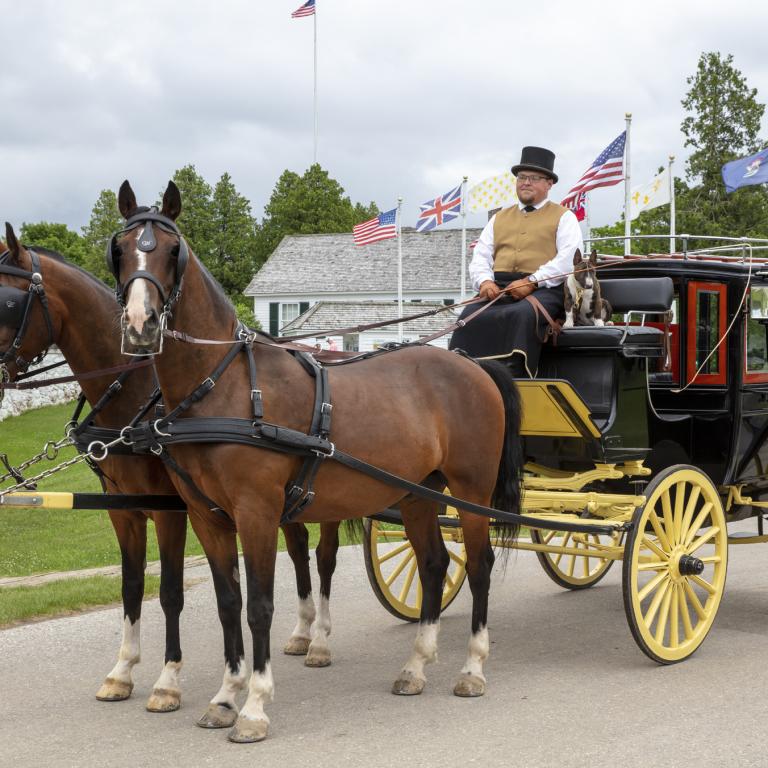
718	422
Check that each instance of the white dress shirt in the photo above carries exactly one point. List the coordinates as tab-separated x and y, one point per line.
551	274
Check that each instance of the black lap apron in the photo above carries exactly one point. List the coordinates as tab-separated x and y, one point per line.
509	327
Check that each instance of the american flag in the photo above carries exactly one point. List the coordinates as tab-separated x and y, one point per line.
308	9
440	210
607	170
380	228
580	206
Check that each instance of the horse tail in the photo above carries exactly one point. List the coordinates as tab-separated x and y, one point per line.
506	494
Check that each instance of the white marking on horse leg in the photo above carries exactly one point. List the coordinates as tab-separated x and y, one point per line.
261	688
306	616
135	310
477	653
424	650
319	653
130	652
231	685
169	677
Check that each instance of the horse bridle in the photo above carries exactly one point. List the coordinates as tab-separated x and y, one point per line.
15	311
148	243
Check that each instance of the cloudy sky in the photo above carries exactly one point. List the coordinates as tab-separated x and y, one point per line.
413	95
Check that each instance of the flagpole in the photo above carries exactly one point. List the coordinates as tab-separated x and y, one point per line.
672	223
588	238
627	227
399	268
314	16
464	238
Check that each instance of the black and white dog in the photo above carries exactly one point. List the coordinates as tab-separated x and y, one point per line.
583	303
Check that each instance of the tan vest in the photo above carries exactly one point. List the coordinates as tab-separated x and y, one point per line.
522	241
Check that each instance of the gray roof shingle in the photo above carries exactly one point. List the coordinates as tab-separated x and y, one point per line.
334	264
327	315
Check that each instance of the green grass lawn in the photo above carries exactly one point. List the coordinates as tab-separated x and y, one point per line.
19	604
40	540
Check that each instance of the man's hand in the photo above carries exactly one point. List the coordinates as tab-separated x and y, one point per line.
489	290
521	288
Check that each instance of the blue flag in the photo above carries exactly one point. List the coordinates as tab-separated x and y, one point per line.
746	171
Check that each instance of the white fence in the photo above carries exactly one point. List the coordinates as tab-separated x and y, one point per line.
16	402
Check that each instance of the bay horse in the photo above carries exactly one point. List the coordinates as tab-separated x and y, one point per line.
76	303
422	413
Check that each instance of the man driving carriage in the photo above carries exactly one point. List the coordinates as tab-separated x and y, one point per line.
530	246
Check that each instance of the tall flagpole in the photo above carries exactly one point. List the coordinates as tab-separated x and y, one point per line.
314	16
464	238
627	227
587	222
399	268
672	223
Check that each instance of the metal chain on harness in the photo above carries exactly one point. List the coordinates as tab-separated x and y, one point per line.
50	452
97	451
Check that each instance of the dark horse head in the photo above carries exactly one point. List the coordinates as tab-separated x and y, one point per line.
147	258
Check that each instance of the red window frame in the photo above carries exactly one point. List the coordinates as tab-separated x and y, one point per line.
694	288
749	377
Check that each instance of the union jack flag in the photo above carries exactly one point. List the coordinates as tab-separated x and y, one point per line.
308	9
440	210
607	170
580	206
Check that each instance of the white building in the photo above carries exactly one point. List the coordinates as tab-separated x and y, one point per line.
358	285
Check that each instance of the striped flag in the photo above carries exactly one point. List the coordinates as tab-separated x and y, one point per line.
308	9
382	227
607	170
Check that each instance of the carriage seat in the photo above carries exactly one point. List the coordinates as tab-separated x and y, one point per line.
637	295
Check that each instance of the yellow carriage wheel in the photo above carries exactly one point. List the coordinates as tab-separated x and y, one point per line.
391	565
575	571
675	562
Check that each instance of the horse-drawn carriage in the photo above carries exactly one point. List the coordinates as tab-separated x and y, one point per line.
642	440
656	425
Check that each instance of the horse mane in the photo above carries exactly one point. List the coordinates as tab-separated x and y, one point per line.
56	256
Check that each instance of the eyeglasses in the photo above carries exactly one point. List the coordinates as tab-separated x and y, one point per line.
534	179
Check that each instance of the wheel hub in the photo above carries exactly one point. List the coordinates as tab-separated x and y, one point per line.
690	566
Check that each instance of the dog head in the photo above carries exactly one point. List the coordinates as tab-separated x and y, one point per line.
584	269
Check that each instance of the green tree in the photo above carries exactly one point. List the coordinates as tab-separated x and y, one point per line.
56	237
308	204
196	219
104	222
232	260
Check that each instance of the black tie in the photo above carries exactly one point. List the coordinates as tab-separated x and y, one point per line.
529	208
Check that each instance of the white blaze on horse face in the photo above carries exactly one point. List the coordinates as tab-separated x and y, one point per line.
130	652
479	646
261	689
138	295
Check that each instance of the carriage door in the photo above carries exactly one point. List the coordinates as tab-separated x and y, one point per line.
706	327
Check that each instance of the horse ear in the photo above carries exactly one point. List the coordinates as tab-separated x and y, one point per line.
593	257
577	258
171	202
12	242
126	200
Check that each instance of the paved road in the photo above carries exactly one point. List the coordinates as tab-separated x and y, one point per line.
567	685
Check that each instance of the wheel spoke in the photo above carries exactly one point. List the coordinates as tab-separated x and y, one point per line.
400	567
656	602
695	602
654	547
702	540
711	559
449	583
652	565
685	615
651	585
666	505
572	566
658	529
661	625
693	500
705	585
547	536
674	616
388	535
408	581
697	523
395	552
457	558
565	541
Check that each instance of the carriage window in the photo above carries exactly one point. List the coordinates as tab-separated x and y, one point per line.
666	369
706	326
756	337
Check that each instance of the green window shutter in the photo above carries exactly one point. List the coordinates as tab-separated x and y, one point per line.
274	317
303	307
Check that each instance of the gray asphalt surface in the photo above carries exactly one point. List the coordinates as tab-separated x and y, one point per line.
566	684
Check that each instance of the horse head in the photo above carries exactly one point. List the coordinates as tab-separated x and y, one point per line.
147	258
26	331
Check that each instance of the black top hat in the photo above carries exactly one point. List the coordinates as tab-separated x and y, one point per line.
537	159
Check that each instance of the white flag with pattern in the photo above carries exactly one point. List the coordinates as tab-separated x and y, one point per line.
650	195
493	192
